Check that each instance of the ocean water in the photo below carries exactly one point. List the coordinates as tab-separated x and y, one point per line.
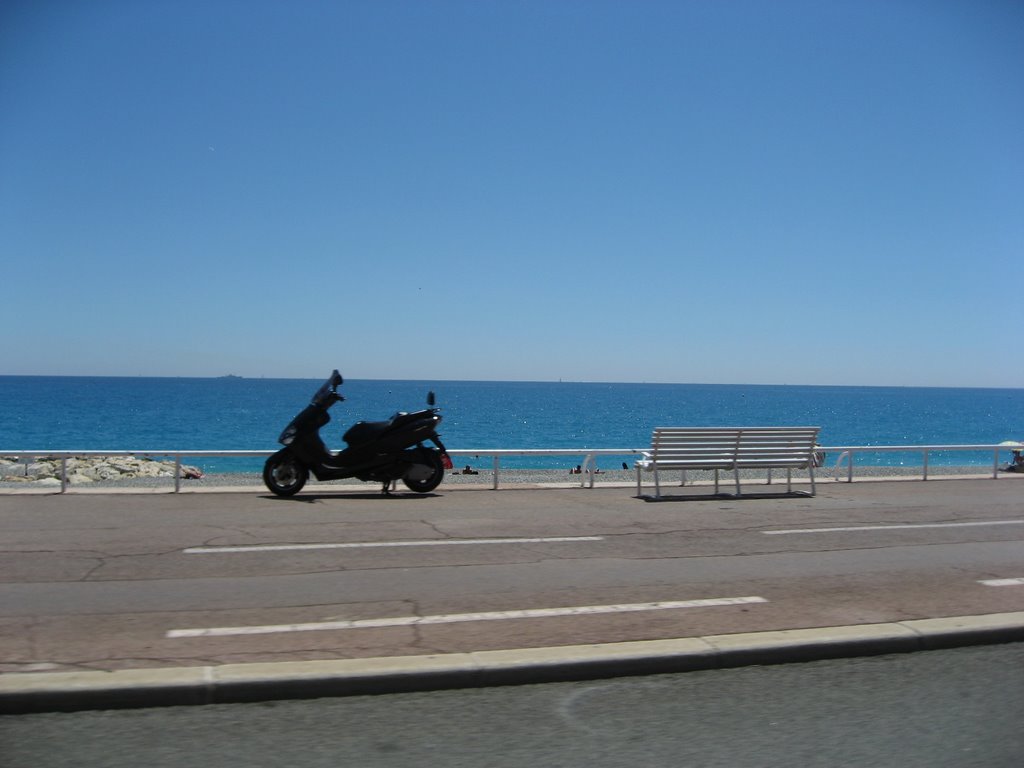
165	414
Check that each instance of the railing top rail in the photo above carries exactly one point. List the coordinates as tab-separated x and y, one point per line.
543	451
489	451
129	452
913	448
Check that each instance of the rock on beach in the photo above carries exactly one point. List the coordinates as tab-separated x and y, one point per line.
46	470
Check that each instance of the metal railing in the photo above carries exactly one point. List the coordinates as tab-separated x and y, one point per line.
589	456
849	452
587	465
176	455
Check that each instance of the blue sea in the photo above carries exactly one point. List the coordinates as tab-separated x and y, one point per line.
167	414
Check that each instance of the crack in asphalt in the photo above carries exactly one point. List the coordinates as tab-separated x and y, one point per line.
106	559
212	542
436	529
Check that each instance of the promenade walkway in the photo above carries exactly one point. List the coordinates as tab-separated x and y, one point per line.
144	597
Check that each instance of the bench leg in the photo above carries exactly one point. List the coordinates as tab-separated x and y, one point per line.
657	483
736	472
716	481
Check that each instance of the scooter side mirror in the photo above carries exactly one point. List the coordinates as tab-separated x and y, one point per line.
431	400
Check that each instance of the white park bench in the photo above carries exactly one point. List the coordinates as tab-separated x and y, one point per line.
730	449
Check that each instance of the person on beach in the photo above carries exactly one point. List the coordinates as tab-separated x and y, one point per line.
1017	463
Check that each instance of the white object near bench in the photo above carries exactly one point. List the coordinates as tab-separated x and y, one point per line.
730	449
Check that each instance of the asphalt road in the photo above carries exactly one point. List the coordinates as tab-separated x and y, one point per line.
961	708
121	581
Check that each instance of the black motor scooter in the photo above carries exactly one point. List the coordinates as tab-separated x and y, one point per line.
384	451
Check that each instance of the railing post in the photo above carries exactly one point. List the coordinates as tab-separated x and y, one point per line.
924	462
588	468
494	487
63	474
177	472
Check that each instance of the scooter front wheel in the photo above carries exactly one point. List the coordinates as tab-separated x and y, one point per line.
284	474
423	478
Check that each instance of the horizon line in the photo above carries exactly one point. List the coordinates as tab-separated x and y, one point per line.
233	377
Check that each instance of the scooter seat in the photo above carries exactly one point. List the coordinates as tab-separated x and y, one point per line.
365	431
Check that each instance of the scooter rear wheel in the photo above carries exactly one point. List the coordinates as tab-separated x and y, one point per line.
284	474
430	482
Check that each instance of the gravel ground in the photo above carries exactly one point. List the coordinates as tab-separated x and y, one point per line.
523	477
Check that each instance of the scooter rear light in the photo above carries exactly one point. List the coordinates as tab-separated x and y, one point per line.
446	461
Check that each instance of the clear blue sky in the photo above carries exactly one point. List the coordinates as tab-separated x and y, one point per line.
728	191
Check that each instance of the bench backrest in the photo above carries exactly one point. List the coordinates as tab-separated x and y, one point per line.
734	444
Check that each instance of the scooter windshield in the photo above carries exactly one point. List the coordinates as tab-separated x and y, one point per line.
324	395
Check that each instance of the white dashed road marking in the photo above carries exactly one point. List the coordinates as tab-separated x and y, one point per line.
894	527
371	544
1003	582
409	621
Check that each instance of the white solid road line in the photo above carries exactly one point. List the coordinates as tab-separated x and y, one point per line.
371	544
1003	582
409	621
894	527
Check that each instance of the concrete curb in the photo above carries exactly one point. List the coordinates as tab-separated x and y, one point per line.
22	693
